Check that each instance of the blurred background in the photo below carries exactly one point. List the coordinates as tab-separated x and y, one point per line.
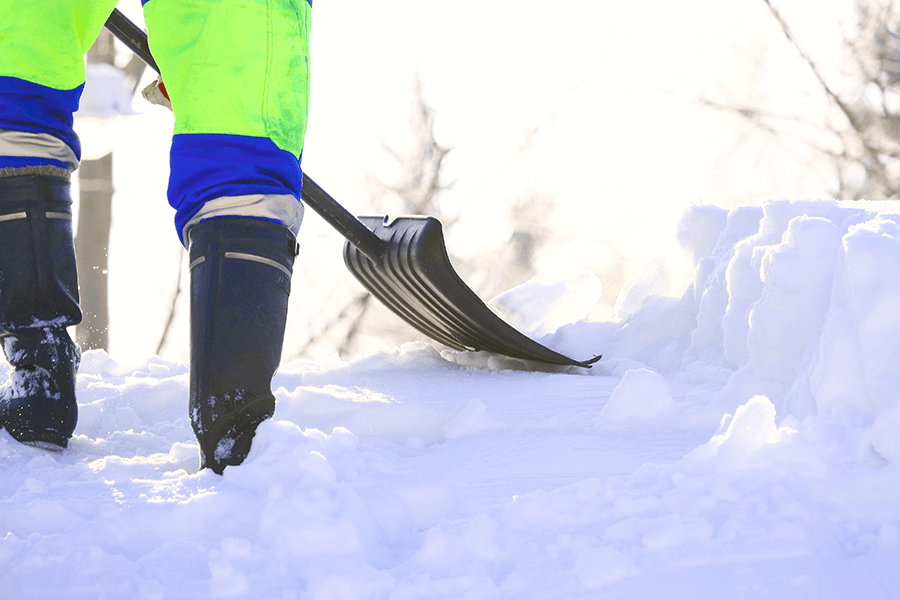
560	141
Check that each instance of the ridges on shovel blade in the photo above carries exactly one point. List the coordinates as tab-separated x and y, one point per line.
413	277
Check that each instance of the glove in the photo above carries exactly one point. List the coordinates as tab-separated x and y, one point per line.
156	93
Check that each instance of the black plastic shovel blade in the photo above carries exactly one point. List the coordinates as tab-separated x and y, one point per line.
413	277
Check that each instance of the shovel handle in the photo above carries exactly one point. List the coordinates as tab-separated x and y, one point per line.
318	199
132	36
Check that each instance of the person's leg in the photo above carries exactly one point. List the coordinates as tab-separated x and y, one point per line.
237	73
42	47
42	44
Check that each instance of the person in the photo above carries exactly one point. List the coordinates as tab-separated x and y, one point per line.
237	74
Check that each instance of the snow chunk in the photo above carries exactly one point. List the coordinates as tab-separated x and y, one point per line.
751	429
642	394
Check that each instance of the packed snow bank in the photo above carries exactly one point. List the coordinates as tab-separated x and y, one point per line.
737	441
797	301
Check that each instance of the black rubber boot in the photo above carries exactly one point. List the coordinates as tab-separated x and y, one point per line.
38	300
240	283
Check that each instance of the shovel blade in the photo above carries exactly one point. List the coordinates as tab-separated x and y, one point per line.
413	277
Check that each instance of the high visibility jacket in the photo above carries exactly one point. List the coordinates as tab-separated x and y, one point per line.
237	72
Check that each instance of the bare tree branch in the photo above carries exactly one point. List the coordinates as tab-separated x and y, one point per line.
871	159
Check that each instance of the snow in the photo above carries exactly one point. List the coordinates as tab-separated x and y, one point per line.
739	440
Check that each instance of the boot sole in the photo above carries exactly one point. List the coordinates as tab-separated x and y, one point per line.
48	446
51	440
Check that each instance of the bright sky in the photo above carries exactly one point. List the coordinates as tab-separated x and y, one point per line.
592	105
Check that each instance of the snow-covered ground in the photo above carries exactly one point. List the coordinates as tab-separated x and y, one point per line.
740	441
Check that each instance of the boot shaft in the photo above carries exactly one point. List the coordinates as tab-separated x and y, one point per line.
240	285
38	276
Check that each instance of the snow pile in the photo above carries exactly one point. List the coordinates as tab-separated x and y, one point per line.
737	441
795	301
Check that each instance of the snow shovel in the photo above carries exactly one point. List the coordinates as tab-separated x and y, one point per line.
403	262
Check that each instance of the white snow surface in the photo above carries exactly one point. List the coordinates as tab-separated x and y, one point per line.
739	441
